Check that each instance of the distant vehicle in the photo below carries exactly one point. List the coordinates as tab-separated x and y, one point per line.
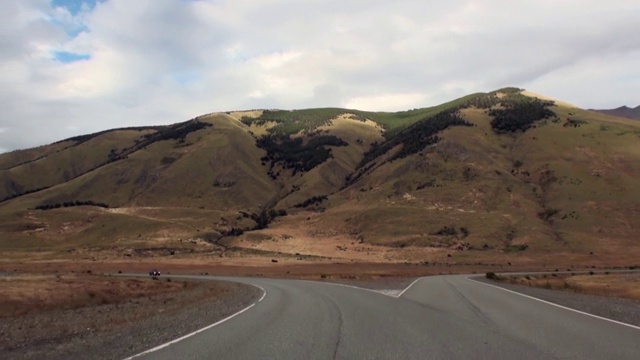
154	273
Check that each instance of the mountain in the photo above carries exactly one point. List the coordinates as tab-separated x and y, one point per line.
623	111
500	175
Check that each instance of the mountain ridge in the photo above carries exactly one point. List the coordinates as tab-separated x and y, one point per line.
491	174
622	111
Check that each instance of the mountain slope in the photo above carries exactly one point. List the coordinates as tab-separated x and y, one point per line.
500	174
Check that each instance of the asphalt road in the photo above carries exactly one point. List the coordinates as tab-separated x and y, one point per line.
442	317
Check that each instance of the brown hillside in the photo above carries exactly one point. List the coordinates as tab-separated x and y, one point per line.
492	176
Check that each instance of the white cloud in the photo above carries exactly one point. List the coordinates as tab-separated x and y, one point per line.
164	61
386	102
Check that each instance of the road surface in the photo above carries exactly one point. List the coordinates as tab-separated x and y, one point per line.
440	317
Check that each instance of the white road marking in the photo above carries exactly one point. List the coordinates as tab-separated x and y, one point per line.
407	288
344	285
264	293
556	305
388	292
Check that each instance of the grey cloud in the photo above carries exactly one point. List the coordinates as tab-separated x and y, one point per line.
163	61
327	95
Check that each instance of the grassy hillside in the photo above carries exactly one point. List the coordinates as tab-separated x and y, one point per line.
504	174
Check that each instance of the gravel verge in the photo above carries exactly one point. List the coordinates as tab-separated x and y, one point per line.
623	310
116	331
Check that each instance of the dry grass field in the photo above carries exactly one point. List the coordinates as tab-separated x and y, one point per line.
622	285
30	293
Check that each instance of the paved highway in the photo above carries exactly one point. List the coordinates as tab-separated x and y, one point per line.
441	317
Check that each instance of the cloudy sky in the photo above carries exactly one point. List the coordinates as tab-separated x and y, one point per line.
70	67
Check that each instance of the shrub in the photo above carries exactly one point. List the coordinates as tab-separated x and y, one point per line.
547	214
311	201
70	204
513	248
492	276
447	231
247	120
574	123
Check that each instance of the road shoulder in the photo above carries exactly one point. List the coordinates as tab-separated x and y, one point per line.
618	309
116	331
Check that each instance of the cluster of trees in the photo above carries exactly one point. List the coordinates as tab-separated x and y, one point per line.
262	219
175	132
516	112
294	154
248	120
265	217
489	100
233	232
417	136
291	122
294	121
519	113
70	204
311	201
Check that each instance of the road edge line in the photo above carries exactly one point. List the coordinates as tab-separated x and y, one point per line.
159	347
557	305
407	288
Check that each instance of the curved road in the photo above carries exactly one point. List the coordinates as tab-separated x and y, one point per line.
440	317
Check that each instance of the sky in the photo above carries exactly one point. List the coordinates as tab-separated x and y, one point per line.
72	67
